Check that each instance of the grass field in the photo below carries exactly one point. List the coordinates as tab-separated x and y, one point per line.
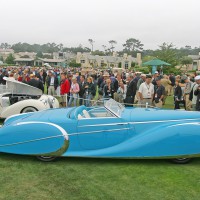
25	178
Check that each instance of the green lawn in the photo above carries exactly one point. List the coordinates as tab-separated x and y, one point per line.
25	178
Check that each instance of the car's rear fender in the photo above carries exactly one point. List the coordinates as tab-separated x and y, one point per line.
164	141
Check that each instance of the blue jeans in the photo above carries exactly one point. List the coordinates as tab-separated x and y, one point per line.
88	98
73	97
81	101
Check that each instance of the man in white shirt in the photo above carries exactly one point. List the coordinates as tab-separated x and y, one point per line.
146	91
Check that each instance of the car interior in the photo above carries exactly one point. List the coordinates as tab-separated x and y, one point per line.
87	113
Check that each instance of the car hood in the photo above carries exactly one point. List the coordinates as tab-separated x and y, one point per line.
52	115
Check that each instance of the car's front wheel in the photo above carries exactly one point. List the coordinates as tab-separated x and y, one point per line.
46	158
181	160
29	109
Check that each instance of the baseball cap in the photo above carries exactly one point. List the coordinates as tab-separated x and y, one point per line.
197	78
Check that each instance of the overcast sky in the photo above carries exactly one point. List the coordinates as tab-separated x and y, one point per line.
73	22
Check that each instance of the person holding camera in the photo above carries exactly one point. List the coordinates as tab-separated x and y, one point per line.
178	97
159	93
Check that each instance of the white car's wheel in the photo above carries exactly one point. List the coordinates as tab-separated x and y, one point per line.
29	109
46	158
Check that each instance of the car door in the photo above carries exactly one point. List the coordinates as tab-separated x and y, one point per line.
98	133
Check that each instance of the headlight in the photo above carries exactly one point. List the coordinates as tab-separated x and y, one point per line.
44	101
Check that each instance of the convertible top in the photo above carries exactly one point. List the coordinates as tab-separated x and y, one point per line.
21	88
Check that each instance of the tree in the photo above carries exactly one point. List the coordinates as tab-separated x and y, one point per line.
112	43
132	64
97	52
74	64
120	65
5	46
91	41
186	61
39	54
1	58
147	58
167	53
133	45
61	46
10	59
104	47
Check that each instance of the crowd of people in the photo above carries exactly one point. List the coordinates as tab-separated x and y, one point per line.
125	87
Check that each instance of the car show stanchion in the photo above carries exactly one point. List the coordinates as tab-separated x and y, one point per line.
96	102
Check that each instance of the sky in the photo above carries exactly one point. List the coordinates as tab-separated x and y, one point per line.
73	22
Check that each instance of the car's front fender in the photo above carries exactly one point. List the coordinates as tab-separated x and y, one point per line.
18	107
33	138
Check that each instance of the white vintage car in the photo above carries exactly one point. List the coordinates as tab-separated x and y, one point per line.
17	97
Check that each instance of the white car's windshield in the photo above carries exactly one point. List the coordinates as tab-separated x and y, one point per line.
114	107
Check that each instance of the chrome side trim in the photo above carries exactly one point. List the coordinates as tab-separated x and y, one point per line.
164	121
194	123
91	132
145	122
111	124
28	141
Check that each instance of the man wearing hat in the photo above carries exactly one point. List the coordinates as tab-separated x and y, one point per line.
159	93
193	97
146	91
156	74
52	83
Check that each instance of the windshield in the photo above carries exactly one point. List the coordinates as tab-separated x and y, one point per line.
114	107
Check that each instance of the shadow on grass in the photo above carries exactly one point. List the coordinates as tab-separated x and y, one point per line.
91	161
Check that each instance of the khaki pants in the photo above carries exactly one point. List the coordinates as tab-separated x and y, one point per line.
144	101
51	90
170	90
165	96
116	96
193	107
187	102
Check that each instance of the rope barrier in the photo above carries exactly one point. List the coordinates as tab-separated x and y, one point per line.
96	102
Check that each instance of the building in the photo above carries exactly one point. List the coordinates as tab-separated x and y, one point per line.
24	61
88	61
196	62
39	62
4	53
52	62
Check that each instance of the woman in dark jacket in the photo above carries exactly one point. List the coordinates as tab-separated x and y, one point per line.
90	91
108	90
177	95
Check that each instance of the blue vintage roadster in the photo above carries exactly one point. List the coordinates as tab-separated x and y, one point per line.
110	131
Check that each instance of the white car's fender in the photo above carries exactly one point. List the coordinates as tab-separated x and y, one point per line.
20	106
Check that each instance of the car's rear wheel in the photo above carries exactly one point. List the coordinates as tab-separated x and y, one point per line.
46	158
181	160
29	109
